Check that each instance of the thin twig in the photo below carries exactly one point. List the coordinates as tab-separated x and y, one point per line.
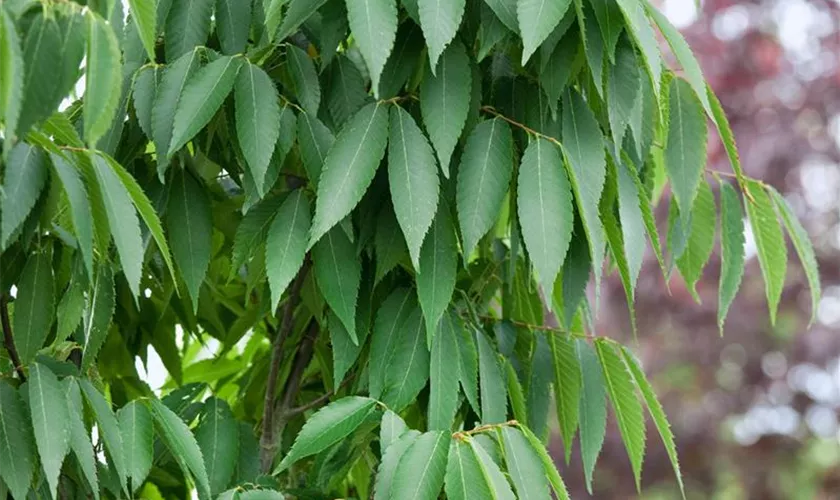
8	338
529	326
483	428
317	401
267	440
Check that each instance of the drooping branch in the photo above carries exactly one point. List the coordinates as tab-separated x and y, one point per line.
268	440
8	339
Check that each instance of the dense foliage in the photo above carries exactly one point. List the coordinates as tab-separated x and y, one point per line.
397	332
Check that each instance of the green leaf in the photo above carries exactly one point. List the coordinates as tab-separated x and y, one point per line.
80	443
593	45
218	437
491	383
122	219
413	179
252	232
71	306
440	22
137	431
537	19
49	421
102	78
257	120
79	206
644	37
656	412
17	451
388	243
187	26
24	177
286	244
374	27
467	361
99	307
180	441
505	10
439	259
685	151
584	150
349	167
314	141
390	461
593	409
516	394
726	135
684	56
444	374
403	61
802	244
260	495
524	465
407	368
444	102
298	12
567	388
190	222
304	79
42	55
109	430
539	381
144	14
144	208
465	477
328	426
34	306
609	19
483	178
544	200
12	71
490	469
390	317
628	410
701	241
203	94
346	91
167	97
344	349
731	249
769	242
391	428
548	465
233	20
421	469
339	274
631	210
624	89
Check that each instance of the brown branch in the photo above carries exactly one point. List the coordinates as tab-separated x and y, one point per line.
268	440
304	355
8	339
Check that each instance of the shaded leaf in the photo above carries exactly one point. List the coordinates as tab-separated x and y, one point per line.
187	25
537	19
218	437
137	431
180	441
17	450
99	307
23	179
233	20
567	388
491	383
338	272
440	22
304	79
593	409
422	467
439	259
34	306
190	222
102	78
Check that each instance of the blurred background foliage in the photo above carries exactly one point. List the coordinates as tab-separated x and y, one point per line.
755	412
